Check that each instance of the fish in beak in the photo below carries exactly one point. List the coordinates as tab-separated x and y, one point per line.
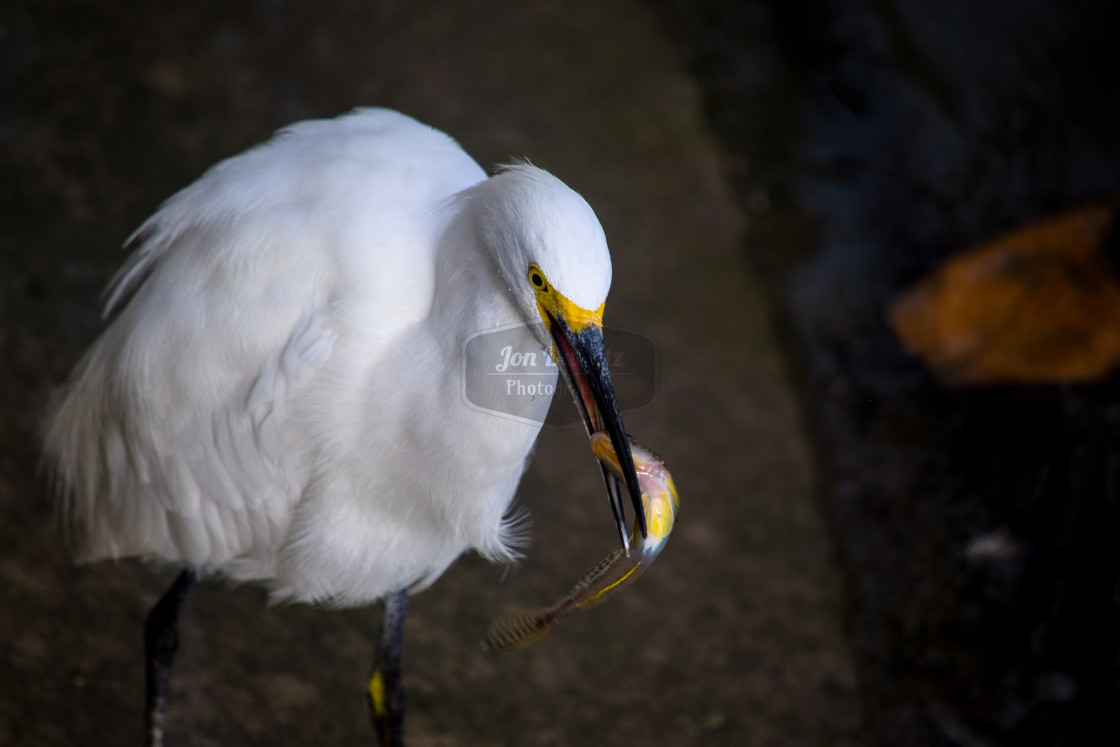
518	628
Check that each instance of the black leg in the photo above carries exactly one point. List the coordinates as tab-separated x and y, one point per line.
385	690
161	641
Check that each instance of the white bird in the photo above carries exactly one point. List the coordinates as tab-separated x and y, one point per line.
275	398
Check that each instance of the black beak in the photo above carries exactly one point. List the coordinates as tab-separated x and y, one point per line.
583	359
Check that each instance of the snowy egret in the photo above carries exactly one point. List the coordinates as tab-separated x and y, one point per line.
274	398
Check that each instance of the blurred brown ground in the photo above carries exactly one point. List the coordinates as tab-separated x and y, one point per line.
733	638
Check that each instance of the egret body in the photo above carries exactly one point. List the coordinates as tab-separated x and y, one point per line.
275	397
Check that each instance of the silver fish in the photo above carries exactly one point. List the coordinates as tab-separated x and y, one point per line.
517	629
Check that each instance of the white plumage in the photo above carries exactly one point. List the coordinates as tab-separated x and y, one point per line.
275	397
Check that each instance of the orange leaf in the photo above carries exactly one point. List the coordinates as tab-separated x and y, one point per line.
1041	304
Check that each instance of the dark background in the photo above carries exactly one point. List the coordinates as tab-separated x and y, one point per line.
770	175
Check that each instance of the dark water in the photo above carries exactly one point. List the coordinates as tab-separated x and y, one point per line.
977	527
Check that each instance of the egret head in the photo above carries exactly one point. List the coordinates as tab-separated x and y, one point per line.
528	218
551	254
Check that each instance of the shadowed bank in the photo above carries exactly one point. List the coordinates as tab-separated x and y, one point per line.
731	638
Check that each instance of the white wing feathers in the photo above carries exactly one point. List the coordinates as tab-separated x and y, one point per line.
177	436
185	433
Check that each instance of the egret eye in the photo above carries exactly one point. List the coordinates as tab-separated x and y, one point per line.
536	277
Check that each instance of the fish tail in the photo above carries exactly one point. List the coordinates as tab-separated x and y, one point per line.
515	630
